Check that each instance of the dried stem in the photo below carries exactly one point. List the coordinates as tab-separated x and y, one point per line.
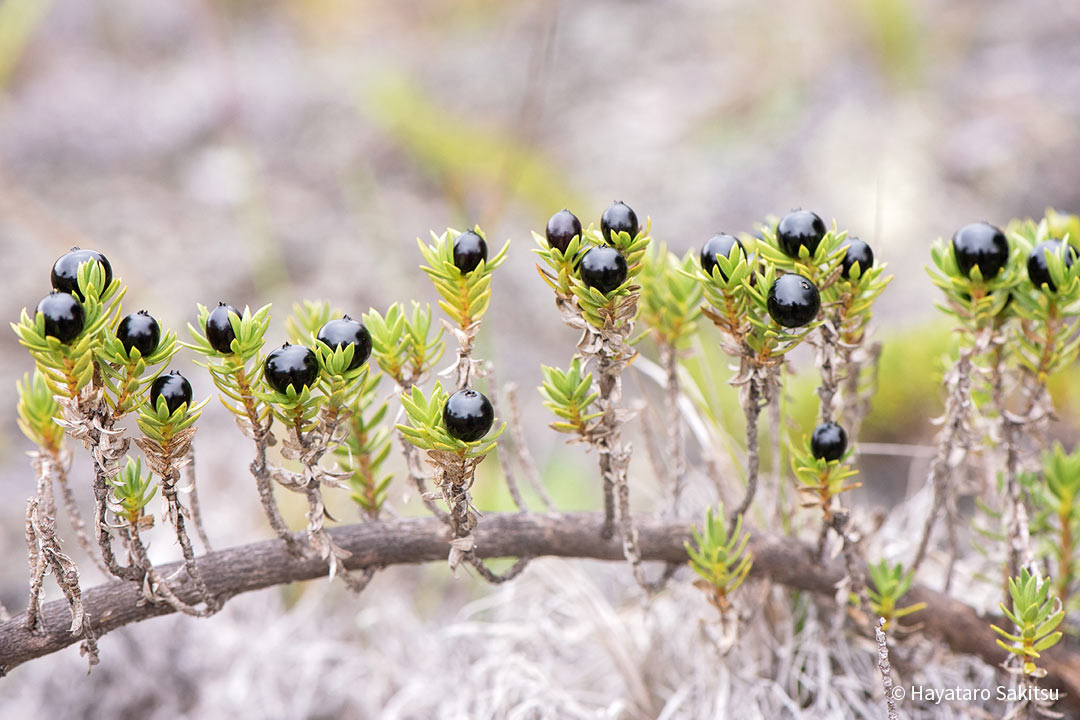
74	515
953	439
196	513
504	459
413	540
414	466
176	514
309	449
826	356
37	570
1012	430
885	669
155	588
669	360
521	446
45	554
751	403
259	431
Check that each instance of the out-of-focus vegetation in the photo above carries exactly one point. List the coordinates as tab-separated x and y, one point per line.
465	157
18	21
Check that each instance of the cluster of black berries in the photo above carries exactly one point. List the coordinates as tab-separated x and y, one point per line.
292	365
601	267
985	246
65	319
793	300
62	309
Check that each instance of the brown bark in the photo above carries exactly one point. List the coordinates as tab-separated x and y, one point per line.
415	540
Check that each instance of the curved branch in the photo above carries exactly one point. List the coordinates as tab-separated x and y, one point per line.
415	540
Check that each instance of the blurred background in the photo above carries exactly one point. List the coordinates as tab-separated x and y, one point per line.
259	152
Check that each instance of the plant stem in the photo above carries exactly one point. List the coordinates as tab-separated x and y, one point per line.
196	512
958	408
74	515
176	513
259	467
669	360
885	668
158	588
752	411
521	446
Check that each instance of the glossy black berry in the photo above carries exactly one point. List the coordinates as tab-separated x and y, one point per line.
800	228
619	217
172	386
603	268
1037	267
65	271
139	330
793	301
346	331
219	329
857	252
64	317
983	245
293	365
469	250
829	442
719	244
468	415
562	228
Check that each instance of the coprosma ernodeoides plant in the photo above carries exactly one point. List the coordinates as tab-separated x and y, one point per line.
318	395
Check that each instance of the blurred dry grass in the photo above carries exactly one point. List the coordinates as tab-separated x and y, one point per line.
256	152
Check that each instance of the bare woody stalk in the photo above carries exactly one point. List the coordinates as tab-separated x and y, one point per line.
165	443
414	540
45	554
517	434
193	492
953	442
78	525
885	668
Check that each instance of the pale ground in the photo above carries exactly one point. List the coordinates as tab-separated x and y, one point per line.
231	151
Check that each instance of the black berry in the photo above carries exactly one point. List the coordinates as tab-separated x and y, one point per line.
603	268
468	415
983	245
65	271
719	244
219	330
829	442
618	218
346	331
139	330
793	300
293	365
1037	267
562	228
800	228
469	250
857	252
172	386
64	317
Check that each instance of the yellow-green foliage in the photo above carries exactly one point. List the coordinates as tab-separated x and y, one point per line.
464	154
